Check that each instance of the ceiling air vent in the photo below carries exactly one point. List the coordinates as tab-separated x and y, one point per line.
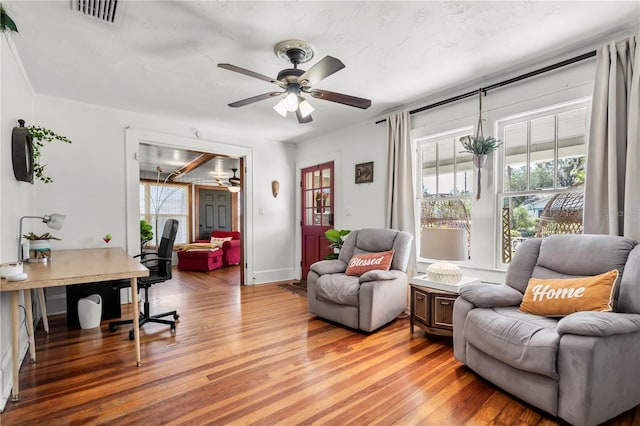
104	10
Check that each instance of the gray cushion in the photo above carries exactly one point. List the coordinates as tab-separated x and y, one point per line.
329	267
338	288
491	295
584	255
599	324
378	275
629	296
523	341
522	264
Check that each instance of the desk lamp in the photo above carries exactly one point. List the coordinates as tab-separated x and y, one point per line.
53	221
444	244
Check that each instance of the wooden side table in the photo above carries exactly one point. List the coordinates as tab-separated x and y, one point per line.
432	306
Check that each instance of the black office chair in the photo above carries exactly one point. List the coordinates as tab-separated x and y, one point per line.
159	264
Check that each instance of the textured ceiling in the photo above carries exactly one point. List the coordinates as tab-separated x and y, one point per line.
160	57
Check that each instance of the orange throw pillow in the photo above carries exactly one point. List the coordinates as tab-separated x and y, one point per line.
560	297
361	263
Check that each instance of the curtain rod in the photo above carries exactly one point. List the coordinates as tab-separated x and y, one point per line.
502	83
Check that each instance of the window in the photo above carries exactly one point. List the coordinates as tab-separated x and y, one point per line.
543	162
446	181
162	201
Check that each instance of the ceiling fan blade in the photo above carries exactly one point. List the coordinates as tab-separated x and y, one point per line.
340	98
323	69
253	99
252	74
302	119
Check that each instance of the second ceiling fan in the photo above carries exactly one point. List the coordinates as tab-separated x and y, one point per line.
295	82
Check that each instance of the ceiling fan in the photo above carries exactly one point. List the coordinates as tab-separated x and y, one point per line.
295	82
233	183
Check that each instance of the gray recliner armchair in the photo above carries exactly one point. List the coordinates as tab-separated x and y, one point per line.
365	302
584	367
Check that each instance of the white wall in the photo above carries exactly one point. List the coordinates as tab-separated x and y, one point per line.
89	180
356	205
16	198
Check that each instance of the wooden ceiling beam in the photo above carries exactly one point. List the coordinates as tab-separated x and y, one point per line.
192	165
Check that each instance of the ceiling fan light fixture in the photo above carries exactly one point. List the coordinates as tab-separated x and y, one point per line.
305	107
280	108
291	102
233	188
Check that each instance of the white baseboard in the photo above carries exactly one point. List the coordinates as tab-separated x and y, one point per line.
272	275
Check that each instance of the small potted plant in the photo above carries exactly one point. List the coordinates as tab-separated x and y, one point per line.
39	246
480	147
146	233
336	238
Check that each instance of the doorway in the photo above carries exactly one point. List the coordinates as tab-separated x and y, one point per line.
240	199
317	197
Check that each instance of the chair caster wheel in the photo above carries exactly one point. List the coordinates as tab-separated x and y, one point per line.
176	316
131	335
112	328
172	328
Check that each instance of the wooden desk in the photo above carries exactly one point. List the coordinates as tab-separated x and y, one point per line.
66	268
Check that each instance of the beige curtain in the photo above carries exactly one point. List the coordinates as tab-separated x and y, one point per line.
400	177
612	188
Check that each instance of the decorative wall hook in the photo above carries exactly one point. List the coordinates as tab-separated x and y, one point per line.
275	188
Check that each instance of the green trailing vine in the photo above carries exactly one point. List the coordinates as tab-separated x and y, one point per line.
41	135
6	23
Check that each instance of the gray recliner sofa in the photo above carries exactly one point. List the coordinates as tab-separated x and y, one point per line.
584	367
365	302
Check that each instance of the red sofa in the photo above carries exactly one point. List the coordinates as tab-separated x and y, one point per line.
230	249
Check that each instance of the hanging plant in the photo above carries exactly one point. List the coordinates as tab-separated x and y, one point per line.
478	145
6	23
41	135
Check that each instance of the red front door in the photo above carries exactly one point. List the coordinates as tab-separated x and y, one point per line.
317	213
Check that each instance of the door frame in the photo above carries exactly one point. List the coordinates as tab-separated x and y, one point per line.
337	200
133	137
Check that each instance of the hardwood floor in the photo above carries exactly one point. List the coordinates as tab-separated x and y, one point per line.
253	355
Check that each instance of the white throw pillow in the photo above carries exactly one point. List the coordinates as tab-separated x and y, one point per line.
220	241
